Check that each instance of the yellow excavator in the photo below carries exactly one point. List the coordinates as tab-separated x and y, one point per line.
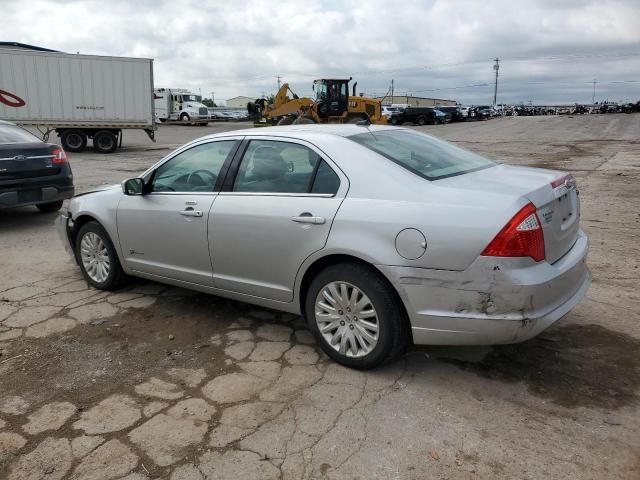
331	105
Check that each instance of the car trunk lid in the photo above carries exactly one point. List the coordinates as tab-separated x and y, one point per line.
26	161
553	193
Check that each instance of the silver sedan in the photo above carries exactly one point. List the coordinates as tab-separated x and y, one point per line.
378	236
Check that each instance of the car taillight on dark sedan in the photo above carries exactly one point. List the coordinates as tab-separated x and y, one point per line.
59	156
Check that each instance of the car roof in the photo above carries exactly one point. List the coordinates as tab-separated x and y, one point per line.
338	130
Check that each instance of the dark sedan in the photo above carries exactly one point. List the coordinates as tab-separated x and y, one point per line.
32	172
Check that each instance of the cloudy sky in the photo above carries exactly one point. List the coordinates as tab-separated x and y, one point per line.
550	50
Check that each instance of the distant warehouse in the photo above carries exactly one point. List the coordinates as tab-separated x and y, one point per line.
417	101
239	102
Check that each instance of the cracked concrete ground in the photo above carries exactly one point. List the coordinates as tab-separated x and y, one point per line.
158	382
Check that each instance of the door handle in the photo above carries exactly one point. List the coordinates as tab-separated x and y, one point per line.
308	218
190	212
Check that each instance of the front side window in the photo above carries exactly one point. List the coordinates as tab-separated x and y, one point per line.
195	169
281	167
421	154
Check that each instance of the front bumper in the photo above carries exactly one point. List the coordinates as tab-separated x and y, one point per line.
63	225
495	301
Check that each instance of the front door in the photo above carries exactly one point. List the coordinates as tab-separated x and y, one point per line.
278	212
164	232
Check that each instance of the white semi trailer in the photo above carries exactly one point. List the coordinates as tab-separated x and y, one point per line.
80	97
180	104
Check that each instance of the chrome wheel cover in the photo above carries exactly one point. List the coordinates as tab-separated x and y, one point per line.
95	257
347	319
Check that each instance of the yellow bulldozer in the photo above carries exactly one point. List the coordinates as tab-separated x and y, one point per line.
331	105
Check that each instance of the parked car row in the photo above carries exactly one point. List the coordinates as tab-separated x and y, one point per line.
227	115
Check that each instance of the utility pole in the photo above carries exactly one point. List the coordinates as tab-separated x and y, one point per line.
279	82
213	98
593	96
392	90
496	67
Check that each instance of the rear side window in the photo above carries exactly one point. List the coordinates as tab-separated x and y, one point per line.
12	134
422	154
270	166
326	180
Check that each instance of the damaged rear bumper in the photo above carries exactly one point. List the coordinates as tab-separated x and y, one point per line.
494	301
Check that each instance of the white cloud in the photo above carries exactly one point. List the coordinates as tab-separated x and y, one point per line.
238	48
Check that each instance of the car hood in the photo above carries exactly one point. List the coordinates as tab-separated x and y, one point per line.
99	189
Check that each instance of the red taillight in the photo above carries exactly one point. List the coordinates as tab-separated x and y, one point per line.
521	237
59	156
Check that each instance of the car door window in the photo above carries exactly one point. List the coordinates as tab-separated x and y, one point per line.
276	167
195	169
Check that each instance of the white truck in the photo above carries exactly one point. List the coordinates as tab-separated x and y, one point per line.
180	104
79	96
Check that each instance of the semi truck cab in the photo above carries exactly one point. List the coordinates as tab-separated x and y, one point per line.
179	104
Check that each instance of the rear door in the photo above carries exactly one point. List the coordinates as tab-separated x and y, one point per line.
277	210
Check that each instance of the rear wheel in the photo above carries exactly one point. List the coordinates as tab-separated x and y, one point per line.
356	316
356	119
73	140
421	121
105	141
50	207
97	257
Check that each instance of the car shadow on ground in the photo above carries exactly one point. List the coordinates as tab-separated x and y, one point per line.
573	365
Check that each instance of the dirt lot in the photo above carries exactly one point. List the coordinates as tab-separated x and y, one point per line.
158	382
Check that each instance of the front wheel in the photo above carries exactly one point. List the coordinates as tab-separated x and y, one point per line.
184	117
73	140
97	257
356	316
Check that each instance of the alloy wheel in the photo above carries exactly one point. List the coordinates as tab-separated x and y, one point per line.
347	319
95	257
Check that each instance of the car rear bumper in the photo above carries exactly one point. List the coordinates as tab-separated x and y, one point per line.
495	301
20	197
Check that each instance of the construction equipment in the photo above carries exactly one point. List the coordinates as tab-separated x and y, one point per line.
331	105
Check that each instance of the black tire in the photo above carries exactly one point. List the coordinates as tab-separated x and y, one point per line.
354	120
393	120
116	277
184	117
421	121
394	332
50	207
73	140
105	141
288	120
303	121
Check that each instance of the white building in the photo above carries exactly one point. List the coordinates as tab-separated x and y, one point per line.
239	102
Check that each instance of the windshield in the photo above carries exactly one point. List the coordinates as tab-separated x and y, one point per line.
13	134
421	154
191	98
321	91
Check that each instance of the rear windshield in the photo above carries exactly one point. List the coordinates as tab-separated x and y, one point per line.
13	134
421	154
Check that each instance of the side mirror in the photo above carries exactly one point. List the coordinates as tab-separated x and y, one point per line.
133	186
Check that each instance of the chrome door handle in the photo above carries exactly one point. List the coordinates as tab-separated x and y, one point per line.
309	219
191	213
